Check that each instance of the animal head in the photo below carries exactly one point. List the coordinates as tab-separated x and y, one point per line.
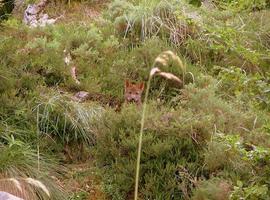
133	92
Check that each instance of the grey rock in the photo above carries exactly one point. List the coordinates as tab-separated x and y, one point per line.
81	96
7	196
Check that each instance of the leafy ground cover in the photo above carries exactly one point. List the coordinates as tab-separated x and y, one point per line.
209	139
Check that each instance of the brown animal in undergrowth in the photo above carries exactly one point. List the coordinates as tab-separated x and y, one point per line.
133	92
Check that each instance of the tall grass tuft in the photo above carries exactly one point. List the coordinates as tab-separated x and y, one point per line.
163	58
20	174
142	20
67	121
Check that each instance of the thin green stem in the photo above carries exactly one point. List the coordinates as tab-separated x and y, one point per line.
153	71
140	139
38	154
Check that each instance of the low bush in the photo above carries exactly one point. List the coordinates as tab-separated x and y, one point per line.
212	189
164	154
181	140
252	89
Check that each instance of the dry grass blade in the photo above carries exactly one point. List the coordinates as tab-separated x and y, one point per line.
167	75
16	184
170	77
38	184
67	58
21	187
166	56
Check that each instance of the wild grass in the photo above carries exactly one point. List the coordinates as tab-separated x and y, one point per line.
141	20
163	58
21	175
20	187
67	122
205	127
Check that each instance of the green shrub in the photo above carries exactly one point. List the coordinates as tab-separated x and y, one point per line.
243	5
254	191
212	189
250	88
199	140
194	124
225	153
204	100
166	149
218	40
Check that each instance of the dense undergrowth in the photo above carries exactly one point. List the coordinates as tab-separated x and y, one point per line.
209	139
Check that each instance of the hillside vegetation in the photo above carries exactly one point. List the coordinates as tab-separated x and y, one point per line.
206	139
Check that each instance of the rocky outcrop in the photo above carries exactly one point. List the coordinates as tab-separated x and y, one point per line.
34	16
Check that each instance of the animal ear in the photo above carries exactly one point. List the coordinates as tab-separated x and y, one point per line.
141	86
127	83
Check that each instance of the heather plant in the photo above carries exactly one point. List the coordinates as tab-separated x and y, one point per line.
197	125
250	88
213	189
228	44
240	5
205	133
120	156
